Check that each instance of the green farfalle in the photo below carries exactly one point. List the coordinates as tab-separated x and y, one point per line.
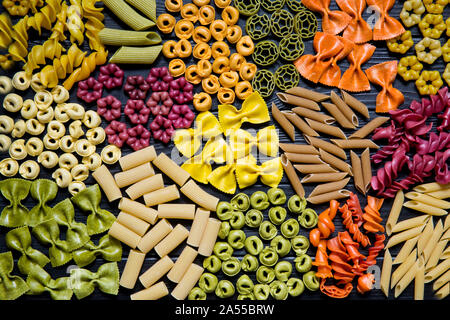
39	281
11	287
19	239
48	233
77	232
108	247
88	200
15	214
83	282
43	191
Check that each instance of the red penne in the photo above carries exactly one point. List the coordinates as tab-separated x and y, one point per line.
354	79
333	22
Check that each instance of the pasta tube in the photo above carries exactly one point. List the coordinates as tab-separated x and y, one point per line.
119	37
128	15
136	55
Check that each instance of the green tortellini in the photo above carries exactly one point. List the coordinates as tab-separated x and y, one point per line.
281	245
261	291
253	245
223	250
224	210
295	287
244	285
277	215
208	282
197	294
276	196
296	204
212	264
267	230
224	230
225	289
249	263
231	267
240	202
303	263
253	218
259	200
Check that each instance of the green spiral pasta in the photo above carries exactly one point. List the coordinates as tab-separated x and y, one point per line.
282	23
305	24
291	47
272	5
236	239
263	82
247	7
287	77
258	26
266	53
253	218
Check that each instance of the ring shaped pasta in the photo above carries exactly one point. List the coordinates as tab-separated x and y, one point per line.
204	68
221	64
48	159
206	15
166	22
234	33
265	53
236	61
21	81
75	111
45	116
226	95
168	49
34	127
201	2
84	148
243	89
220	48
80	172
34	146
248	71
5	142
9	167
76	130
222	3
75	187
19	130
201	34
264	82
111	154
184	29
189	11
29	109
177	67
218	29
43	99
60	94
192	75
12	102
36	83
62	177
245	46
96	135
67	161
174	5
91	119
183	48
202	101
29	169
211	84
6	124
93	162
229	79
5	85
50	143
55	129
201	51
230	15
61	113
67	144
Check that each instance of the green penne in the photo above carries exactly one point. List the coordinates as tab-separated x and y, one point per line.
147	7
119	37
136	55
128	15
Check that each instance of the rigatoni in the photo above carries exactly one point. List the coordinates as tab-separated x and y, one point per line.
171	169
163	195
154	236
190	278
133	223
176	211
138	209
199	196
183	262
133	175
137	158
198	227
123	234
132	268
106	181
172	240
154	292
144	186
209	237
156	271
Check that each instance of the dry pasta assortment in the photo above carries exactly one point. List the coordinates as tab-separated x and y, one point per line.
296	169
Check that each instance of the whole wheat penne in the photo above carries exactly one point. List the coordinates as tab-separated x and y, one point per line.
357	172
440	194
431	187
308	94
284	123
292	176
328	187
395	211
406	250
326	128
366	168
425	208
410	223
403	236
327	146
314	168
326	197
443	292
335	162
344	108
298	101
424	198
300	123
386	273
368	128
355	143
338	115
303	158
355	104
311	114
298	148
402	269
323	177
437	271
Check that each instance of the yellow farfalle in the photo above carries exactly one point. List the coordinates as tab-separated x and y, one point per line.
270	173
254	110
188	141
242	142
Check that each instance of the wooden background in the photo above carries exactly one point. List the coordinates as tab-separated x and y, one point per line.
381	54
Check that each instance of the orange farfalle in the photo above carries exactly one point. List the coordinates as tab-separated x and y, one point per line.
326	47
372	216
325	225
334	291
332	75
358	30
354	79
365	283
333	22
339	257
321	261
383	74
386	26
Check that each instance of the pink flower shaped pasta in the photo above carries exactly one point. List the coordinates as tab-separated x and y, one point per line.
159	79
117	133
137	111
162	129
181	116
90	90
138	137
160	103
109	107
111	76
136	87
